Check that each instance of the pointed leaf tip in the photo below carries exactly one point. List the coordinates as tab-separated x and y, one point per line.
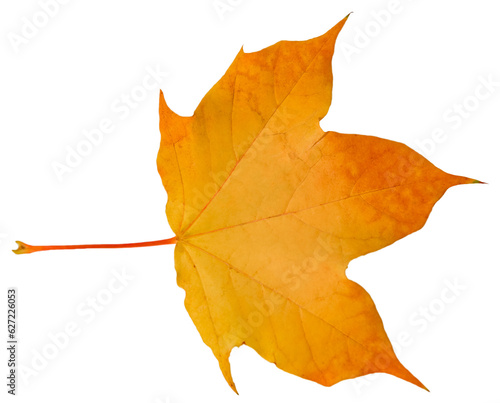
464	180
162	98
468	181
164	108
334	31
343	21
233	387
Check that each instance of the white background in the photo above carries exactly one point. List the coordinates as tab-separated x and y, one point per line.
142	347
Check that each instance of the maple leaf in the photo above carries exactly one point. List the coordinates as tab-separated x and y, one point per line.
268	210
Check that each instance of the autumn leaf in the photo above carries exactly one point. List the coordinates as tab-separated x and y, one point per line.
268	210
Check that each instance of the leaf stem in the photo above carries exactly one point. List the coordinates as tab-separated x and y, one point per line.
25	248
